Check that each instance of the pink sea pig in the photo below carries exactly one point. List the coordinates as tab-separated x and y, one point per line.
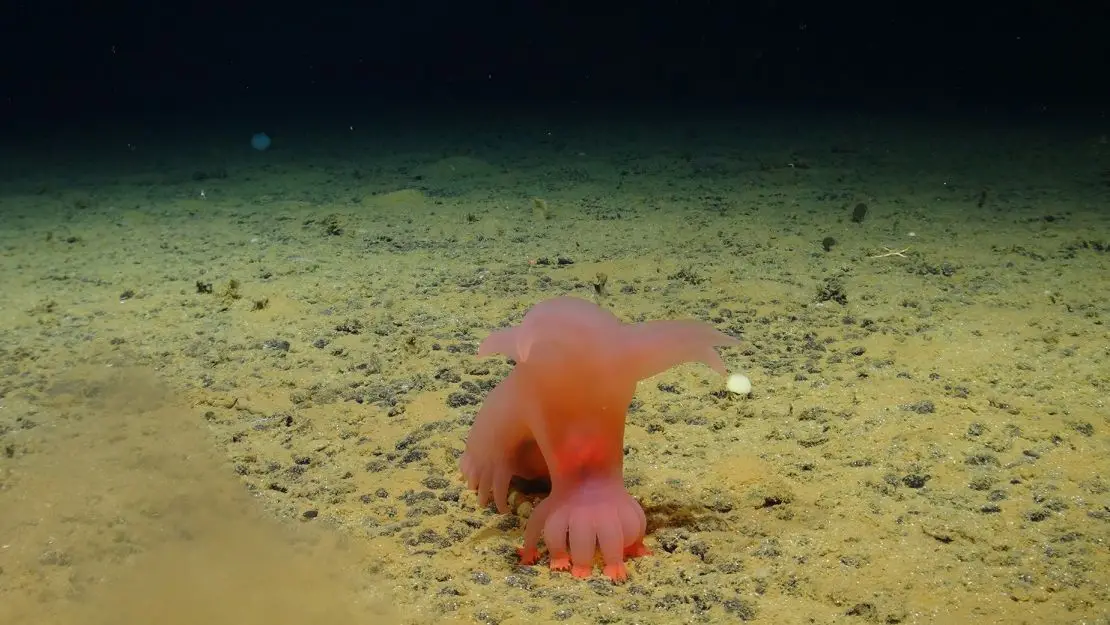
560	415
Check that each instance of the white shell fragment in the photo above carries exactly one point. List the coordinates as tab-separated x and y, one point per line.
739	384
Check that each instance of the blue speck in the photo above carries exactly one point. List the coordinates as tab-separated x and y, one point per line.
260	141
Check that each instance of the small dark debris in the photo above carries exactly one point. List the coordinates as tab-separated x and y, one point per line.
436	482
458	400
508	523
1086	429
866	610
670	601
53	557
310	514
517	581
982	483
687	275
859	213
740	609
921	407
1055	504
276	344
447	375
827	243
412	497
1037	516
982	460
915	480
771	501
960	392
831	289
1001	405
669	539
450	591
768	548
731	567
430	537
204	288
945	269
332	226
23	422
353	326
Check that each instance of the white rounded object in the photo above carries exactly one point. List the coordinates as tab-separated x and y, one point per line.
739	384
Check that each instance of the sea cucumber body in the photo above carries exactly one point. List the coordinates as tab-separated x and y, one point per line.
561	414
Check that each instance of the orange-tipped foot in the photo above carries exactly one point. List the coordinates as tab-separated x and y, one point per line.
616	572
636	550
582	571
560	561
528	556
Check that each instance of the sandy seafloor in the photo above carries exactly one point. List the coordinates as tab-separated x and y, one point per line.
931	448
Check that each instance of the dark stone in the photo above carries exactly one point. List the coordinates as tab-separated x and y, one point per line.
921	407
457	400
915	481
436	482
832	290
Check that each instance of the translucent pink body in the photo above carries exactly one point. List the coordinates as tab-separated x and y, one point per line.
560	414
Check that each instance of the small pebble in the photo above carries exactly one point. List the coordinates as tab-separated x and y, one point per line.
276	344
739	384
